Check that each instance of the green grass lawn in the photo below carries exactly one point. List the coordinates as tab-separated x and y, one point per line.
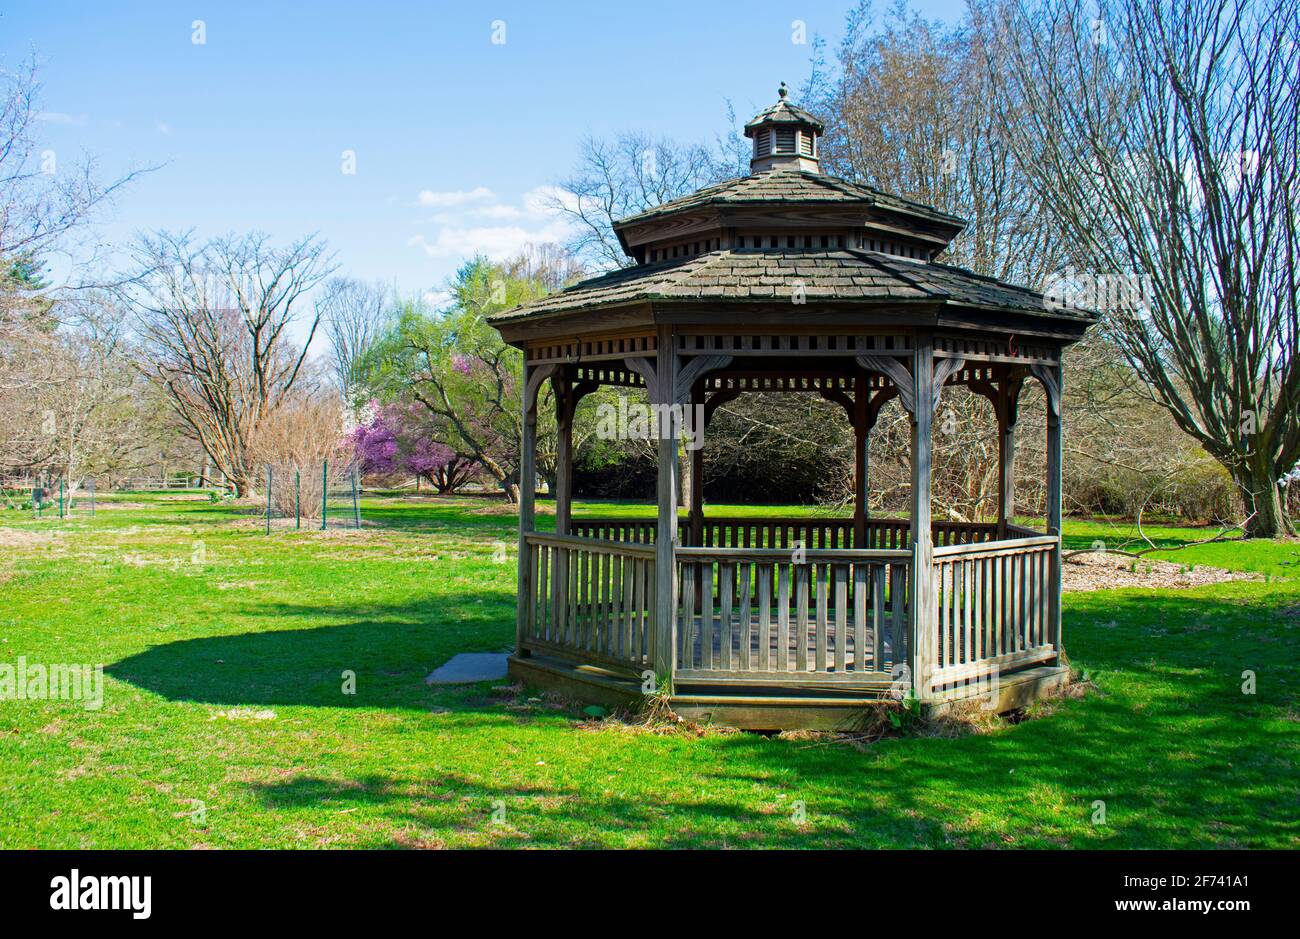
224	652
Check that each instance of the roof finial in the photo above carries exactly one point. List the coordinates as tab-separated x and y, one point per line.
782	91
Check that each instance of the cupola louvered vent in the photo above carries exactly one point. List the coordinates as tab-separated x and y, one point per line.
785	137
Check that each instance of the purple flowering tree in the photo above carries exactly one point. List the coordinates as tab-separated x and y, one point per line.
397	439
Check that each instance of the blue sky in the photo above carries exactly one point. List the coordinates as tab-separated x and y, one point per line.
454	135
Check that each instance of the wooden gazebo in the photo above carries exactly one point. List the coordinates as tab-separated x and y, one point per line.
789	280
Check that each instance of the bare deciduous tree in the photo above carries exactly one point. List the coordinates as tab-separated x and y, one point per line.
214	321
353	314
910	110
72	404
1164	138
66	403
626	175
42	199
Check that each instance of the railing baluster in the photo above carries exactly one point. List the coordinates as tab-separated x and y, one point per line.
639	601
541	600
763	591
801	580
968	610
861	570
726	591
625	627
600	609
841	576
616	613
898	612
746	620
822	573
686	629
783	618
943	570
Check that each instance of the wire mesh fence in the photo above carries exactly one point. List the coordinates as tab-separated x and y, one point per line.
315	496
49	496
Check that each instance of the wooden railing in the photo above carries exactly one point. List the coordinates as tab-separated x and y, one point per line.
784	533
633	530
592	600
952	533
783	600
766	613
996	608
883	534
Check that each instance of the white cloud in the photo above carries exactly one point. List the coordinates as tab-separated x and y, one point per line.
428	197
543	199
59	117
499	212
485	225
163	127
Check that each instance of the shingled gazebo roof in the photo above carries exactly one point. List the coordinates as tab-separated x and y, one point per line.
783	112
793	188
816	244
848	276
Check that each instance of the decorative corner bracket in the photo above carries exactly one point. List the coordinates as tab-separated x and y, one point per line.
896	371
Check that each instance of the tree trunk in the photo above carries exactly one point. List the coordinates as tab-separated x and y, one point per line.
242	483
1264	504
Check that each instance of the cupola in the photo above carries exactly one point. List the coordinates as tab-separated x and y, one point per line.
785	137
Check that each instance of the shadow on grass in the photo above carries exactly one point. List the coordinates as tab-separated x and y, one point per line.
455	809
389	648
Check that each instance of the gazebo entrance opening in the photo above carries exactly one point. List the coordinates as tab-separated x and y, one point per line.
773	623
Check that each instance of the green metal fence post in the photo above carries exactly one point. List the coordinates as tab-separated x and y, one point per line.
356	506
324	492
297	497
61	497
269	478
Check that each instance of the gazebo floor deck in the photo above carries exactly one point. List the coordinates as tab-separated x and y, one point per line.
777	703
707	635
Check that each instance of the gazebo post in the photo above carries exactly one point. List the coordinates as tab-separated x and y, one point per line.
861	459
666	495
922	574
1054	499
1008	405
527	492
696	457
564	407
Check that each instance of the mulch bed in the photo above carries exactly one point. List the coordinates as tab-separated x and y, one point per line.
1101	570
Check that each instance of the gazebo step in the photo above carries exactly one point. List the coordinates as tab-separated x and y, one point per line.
772	712
590	684
1014	689
781	690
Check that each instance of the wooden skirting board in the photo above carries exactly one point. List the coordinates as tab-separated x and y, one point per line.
767	708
